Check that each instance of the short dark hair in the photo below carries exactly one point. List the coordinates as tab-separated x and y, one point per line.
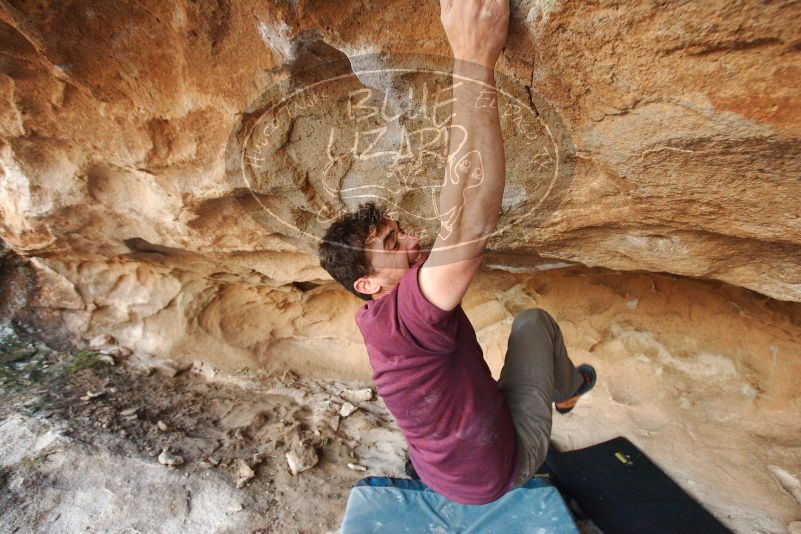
342	248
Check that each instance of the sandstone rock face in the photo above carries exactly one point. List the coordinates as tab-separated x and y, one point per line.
645	137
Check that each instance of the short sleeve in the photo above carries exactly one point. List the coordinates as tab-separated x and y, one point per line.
432	328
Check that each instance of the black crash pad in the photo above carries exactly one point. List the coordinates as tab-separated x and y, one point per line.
623	491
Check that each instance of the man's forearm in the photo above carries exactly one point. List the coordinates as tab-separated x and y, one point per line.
470	199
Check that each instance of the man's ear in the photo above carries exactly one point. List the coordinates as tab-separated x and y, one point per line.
366	285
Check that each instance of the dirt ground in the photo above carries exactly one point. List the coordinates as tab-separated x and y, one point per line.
77	464
83	443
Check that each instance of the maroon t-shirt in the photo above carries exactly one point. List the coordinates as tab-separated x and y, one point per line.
429	369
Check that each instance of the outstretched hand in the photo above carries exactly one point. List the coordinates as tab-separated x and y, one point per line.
476	29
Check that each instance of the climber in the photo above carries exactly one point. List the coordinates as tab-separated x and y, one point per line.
470	438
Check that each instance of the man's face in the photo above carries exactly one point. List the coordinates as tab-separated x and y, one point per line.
391	252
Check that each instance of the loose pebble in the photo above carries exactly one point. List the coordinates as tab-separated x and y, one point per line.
169	459
161	425
333	422
92	395
128	412
117	352
301	457
107	359
347	409
357	395
246	474
357	467
203	369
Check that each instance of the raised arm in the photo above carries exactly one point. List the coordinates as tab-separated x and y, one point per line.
470	198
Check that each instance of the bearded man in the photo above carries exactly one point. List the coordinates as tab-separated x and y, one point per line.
470	438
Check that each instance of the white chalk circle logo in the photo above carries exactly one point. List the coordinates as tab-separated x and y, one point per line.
336	132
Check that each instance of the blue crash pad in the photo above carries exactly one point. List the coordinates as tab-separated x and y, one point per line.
390	505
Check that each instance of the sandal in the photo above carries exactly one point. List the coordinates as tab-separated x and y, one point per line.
588	372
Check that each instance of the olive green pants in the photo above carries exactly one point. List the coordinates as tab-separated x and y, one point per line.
536	373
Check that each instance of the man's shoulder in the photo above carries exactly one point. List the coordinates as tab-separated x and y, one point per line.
373	314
